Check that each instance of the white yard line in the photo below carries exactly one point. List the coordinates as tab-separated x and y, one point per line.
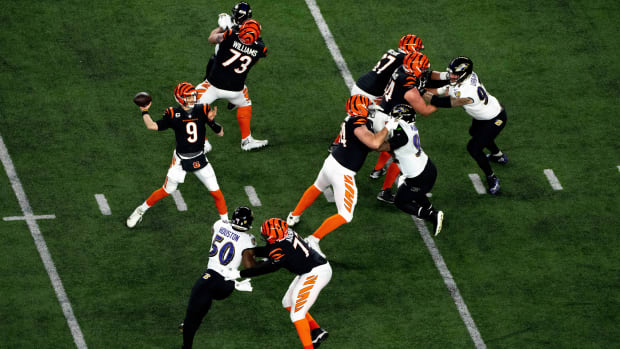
39	241
329	194
477	182
553	180
251	193
178	200
443	269
103	204
450	284
24	218
331	43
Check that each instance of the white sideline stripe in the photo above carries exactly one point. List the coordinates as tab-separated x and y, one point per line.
450	284
103	204
331	43
477	182
178	200
553	180
441	265
25	218
39	241
251	193
329	194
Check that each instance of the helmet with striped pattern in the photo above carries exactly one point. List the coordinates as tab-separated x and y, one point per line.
410	43
249	31
357	105
274	230
185	94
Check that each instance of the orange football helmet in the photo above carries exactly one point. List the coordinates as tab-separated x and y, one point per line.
410	43
274	230
249	31
416	63
357	105
185	94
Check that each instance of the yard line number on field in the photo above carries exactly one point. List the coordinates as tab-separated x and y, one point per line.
39	241
430	243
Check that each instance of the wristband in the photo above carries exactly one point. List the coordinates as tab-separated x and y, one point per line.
441	102
144	112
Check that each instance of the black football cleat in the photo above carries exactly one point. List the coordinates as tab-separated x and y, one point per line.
501	159
493	183
318	336
386	196
377	173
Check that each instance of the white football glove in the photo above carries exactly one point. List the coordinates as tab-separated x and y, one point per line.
442	90
244	285
207	148
233	275
391	124
224	21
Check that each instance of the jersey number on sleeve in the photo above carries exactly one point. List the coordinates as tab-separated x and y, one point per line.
245	61
343	134
482	94
226	252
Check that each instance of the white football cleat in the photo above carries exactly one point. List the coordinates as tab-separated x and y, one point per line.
313	242
250	143
135	218
292	220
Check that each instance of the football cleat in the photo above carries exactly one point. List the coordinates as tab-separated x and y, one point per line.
318	335
313	242
181	325
385	195
375	174
135	218
438	222
501	159
292	220
250	143
493	183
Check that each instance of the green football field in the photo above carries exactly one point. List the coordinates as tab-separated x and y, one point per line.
533	267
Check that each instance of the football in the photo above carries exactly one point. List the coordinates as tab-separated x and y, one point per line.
142	99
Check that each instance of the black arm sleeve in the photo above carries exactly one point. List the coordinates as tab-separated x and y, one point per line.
261	269
398	139
261	251
214	126
441	101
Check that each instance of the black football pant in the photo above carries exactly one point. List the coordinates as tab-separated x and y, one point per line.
207	288
483	133
411	195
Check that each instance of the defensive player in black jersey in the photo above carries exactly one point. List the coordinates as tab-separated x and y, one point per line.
237	54
340	167
188	122
286	249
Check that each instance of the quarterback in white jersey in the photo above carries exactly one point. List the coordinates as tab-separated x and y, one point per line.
418	171
488	116
231	245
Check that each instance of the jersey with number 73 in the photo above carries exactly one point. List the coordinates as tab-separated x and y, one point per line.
233	61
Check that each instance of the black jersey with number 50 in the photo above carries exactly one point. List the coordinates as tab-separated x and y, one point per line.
189	127
375	80
233	61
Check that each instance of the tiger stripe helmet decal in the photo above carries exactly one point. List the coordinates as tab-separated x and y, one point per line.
410	43
357	105
274	230
416	63
249	31
183	91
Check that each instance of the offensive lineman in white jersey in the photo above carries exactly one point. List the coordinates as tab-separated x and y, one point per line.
418	171
489	116
231	245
